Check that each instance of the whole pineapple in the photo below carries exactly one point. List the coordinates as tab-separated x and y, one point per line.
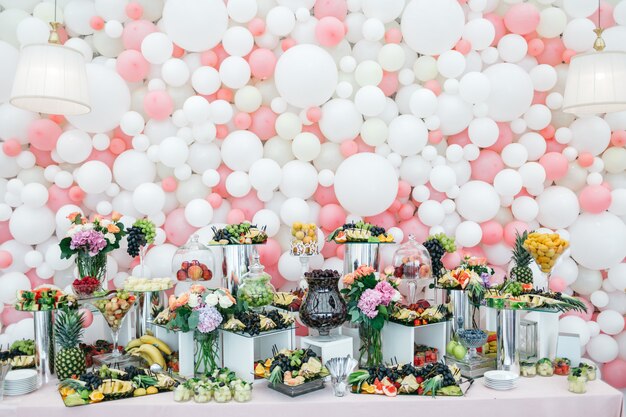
68	330
521	272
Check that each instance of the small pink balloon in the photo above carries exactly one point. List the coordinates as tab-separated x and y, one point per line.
6	259
618	138
117	146
5	233
58	197
385	220
335	8
242	120
463	46
270	252
436	195
505	136
451	260
134	10
158	104
404	189
329	31
535	47
393	35
554	146
249	204
341	251
225	94
406	211
555	165
348	148
76	194
263	123
435	136
585	159
87	317
475	251
416	228
548	131
221	131
434	86
331	216
42	158
330	248
522	18
325	195
11	148
614	373
492	232
567	55
486	166
395	207
460	138
105	156
176	228
215	200
511	228
389	84
256	26
169	184
498	24
277	279
314	114
287	43
96	23
606	15
595	198
208	59
235	216
132	66
134	33
220	188
552	52
43	134
557	284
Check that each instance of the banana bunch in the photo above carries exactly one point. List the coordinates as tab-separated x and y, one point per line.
491	347
150	349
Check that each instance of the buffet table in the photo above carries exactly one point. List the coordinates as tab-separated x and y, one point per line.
538	397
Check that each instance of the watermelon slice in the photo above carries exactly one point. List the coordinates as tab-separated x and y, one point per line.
390	390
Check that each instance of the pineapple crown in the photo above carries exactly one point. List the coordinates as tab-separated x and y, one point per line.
68	328
521	256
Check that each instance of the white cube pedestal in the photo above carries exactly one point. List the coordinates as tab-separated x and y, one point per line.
547	332
348	329
399	341
328	347
241	350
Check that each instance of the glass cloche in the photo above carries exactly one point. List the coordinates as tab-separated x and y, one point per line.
256	289
193	261
412	264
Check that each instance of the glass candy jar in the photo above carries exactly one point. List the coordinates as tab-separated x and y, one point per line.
183	393
411	262
202	393
256	289
222	393
577	381
323	308
193	261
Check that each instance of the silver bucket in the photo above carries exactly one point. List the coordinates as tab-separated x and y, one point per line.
44	344
357	254
461	310
508	340
237	260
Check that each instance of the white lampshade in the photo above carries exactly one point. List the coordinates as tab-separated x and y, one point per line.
596	83
51	78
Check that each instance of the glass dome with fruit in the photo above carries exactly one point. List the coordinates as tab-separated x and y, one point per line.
256	289
193	261
411	262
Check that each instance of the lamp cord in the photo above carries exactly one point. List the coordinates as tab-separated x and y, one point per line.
599	44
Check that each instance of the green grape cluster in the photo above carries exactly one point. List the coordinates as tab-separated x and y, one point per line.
147	228
446	241
24	346
237	229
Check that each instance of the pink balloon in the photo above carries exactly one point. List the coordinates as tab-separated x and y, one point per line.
314	114
36	280
6	259
87	317
486	166
451	260
329	31
325	195
475	251
349	148
11	147
614	373
215	200
463	46
96	23
262	63
555	165
277	279
132	66
460	139
557	284
432	85
220	188
270	252
585	159
76	194
404	189
249	204
235	216
42	158
135	32
595	198
256	26
242	120
416	228
436	195
58	197
105	156
134	10
535	47
492	232
389	84
341	251
552	52
43	134
158	104
5	233
10	315
522	18
331	216
335	8
505	136
176	228
263	123
498	25
618	138
406	211
385	220
393	35
606	15
169	184
435	137
511	228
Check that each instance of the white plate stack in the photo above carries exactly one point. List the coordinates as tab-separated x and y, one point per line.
20	382
501	380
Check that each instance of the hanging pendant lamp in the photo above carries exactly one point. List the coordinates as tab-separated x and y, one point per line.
51	78
596	81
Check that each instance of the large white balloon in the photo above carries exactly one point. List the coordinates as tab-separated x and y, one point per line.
199	212
74	146
431	28
590	134
558	207
294	210
407	135
32	225
132	168
305	75
511	91
195	25
477	201
366	184
602	348
94	177
617	276
299	179
241	149
10	284
269	219
574	324
341	120
149	198
598	241
454	113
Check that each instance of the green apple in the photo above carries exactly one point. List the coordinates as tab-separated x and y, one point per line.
451	345
459	352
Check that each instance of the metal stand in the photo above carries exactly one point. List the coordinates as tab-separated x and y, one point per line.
143	316
461	310
357	254
44	345
508	340
237	260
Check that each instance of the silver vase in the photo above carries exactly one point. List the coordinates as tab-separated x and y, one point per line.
44	344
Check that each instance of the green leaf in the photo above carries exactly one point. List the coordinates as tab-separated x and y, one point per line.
354	315
66	251
193	320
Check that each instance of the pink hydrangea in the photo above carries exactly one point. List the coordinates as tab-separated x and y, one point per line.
387	292
369	302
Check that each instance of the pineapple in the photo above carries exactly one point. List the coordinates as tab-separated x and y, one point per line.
521	272
68	330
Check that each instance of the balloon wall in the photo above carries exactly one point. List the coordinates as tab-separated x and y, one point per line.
423	116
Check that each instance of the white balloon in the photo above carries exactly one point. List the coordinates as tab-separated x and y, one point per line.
289	267
468	234
294	210
241	149
368	72
238	41
407	135
477	201
238	184
32	31
480	33
74	146
590	134
305	76
206	80
94	177
31	225
149	198
34	195
269	219
474	87
617	276
175	72
525	208
157	48
598	241
512	48
370	100
234	72
242	11
198	212
558	207
442	178
508	182
451	64
306	146
552	21
341	120
195	25
610	322
538	117
454	114
511	91
574	324
431	213
602	348
299	179
159	259
579	8
391	57
431	28
366	184
173	151
10	284
132	168
483	132
423	103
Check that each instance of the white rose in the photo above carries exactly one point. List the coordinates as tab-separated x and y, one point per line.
211	300
396	296
87	226
105	222
193	301
110	237
225	302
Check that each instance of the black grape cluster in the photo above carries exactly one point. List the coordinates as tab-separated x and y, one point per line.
436	252
251	320
136	239
92	380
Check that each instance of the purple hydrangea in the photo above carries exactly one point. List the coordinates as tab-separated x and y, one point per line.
89	240
210	319
369	302
386	291
486	279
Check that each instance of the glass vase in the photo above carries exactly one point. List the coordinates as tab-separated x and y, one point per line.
371	350
323	308
207	352
92	266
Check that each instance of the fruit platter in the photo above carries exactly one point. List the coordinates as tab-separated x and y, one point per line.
100	347
222	386
514	295
43	298
304	239
435	379
107	384
360	232
290	301
419	314
138	284
239	234
153	351
21	354
293	372
252	323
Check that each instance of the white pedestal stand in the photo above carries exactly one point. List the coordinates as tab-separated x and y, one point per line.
399	341
328	347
